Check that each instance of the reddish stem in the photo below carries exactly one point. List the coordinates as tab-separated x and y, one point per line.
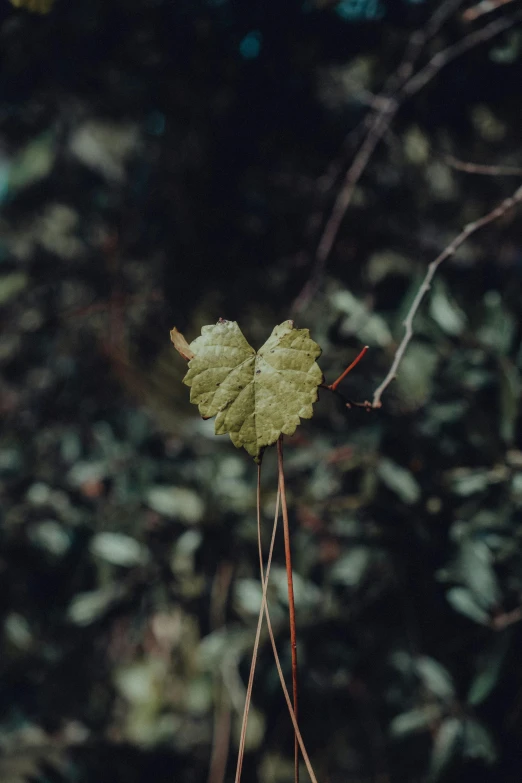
333	386
291	604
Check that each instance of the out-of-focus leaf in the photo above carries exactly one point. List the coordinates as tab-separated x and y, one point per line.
470	483
383	263
177	502
11	285
464	602
18	631
223	643
436	678
182	561
509	400
306	594
119	549
105	146
350	568
86	608
86	472
369	327
497	327
50	535
490	665
446	313
35	6
415	377
255	729
508	50
478	743
474	564
33	163
399	480
416	146
199	695
248	594
445	747
418	719
140	682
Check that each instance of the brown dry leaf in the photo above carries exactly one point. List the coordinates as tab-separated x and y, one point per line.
181	345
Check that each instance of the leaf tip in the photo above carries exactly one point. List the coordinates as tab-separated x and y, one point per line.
181	345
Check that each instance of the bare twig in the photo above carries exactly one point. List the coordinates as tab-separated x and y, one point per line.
482	168
377	128
506	619
418	40
484	7
442	58
450	250
333	386
402	87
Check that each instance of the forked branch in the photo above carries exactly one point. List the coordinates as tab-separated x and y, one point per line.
401	86
450	250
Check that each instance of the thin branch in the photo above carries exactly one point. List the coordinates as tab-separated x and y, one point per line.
484	7
291	603
387	106
482	168
442	58
418	41
506	619
333	386
450	250
378	126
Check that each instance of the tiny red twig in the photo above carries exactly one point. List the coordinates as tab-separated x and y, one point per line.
333	386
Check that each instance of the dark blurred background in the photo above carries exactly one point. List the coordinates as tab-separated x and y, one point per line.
167	163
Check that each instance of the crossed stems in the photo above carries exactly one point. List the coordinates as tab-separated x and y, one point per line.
367	405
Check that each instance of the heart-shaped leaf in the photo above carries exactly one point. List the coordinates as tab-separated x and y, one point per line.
255	396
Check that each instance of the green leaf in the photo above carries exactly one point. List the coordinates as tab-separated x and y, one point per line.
445	312
445	746
86	608
351	567
464	602
478	743
255	396
509	400
399	480
11	285
490	666
435	677
119	549
415	720
478	573
181	503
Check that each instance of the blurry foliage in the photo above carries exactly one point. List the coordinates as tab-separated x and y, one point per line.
168	163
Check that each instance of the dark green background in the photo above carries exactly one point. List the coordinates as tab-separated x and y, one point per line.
167	162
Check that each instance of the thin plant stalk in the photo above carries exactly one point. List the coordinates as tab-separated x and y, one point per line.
291	603
248	698
272	637
333	386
